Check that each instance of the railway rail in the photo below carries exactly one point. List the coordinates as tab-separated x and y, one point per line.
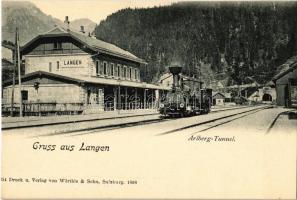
216	122
220	121
40	123
192	126
13	125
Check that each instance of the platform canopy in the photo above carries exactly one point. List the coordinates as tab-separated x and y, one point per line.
88	80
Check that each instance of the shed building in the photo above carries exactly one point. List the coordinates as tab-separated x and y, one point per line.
218	99
286	84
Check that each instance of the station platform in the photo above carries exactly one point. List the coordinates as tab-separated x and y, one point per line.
18	122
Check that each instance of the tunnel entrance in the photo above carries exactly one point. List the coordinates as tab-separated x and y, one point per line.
267	97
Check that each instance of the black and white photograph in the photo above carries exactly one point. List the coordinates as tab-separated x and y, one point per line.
160	99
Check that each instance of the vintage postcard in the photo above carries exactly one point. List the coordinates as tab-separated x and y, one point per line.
148	99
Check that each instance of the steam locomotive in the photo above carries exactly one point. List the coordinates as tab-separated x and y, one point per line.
187	97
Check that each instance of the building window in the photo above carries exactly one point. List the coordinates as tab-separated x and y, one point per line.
124	72
58	65
105	68
89	96
57	45
130	73
97	67
112	69
50	67
119	70
135	74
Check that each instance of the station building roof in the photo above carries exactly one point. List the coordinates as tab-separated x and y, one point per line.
90	80
285	68
90	42
218	95
251	85
227	95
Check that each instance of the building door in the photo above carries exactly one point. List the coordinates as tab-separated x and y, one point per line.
286	96
100	99
89	96
293	92
24	94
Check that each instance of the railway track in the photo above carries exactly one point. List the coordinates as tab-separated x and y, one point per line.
100	129
214	122
91	126
12	125
43	123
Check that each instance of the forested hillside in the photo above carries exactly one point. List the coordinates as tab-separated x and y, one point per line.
234	40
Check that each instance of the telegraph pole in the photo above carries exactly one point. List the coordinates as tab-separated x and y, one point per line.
19	73
13	75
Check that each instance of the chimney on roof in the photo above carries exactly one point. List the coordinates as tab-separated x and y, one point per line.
66	23
93	35
82	29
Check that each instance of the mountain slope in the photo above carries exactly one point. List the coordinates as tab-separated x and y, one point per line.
27	17
31	21
235	40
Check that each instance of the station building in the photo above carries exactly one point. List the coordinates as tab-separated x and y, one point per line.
286	84
218	99
67	71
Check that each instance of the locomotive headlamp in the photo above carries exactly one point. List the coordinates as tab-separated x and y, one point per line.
181	105
161	105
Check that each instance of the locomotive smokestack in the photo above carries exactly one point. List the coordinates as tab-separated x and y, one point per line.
175	69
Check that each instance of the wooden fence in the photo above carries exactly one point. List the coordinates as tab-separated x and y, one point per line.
42	109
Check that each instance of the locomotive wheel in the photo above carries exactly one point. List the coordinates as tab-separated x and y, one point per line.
163	116
205	110
182	114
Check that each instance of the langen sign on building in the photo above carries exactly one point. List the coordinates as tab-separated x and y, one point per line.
72	63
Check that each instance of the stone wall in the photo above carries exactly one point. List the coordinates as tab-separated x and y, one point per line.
50	93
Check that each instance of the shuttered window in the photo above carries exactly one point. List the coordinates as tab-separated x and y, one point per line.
97	67
124	72
105	68
119	70
130	73
112	69
135	74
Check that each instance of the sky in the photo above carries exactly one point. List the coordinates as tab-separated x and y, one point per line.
96	10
